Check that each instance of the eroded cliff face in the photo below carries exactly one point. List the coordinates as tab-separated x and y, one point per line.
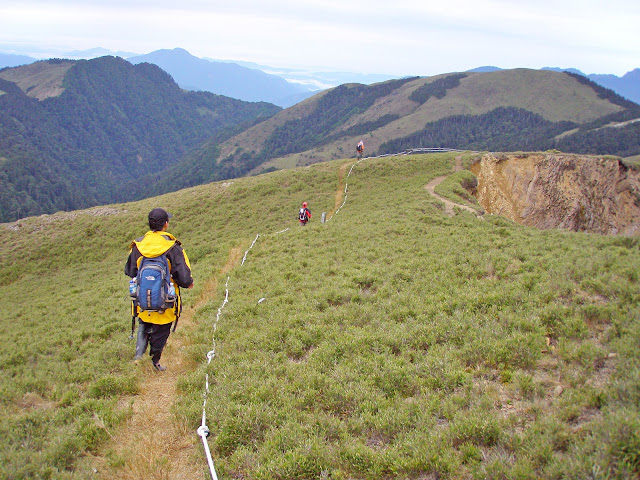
576	192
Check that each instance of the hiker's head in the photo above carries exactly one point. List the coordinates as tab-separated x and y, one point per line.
157	218
304	204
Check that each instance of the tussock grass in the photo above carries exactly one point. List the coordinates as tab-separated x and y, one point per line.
393	341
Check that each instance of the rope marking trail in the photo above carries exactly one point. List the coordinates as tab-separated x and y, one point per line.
203	431
245	253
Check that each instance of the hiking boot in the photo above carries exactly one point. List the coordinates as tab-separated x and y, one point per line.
159	367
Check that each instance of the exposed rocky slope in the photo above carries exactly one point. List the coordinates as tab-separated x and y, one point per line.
548	190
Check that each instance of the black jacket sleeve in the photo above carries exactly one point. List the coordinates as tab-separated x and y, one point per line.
131	267
180	272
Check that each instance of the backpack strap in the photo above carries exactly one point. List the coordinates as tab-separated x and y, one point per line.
177	311
134	314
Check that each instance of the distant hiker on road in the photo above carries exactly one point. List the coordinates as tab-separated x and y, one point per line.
304	214
158	268
360	149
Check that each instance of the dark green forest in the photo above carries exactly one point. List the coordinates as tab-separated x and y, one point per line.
438	88
114	125
622	141
503	129
515	129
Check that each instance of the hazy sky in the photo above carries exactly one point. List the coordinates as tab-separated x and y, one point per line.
396	37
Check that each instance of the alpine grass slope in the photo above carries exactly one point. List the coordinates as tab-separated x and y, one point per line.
393	341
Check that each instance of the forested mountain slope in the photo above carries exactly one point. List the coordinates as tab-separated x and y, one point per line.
80	133
502	110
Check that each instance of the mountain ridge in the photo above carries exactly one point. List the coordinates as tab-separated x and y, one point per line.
553	96
627	85
109	124
131	132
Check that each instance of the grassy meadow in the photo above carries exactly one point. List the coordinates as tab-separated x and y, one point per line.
393	341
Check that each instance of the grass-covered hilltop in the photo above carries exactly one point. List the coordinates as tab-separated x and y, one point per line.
392	341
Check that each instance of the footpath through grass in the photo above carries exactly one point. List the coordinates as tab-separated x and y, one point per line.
394	341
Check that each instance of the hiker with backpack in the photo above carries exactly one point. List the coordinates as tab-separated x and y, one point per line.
158	267
360	149
304	214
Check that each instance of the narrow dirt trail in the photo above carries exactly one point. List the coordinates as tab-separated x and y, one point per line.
339	198
151	445
449	206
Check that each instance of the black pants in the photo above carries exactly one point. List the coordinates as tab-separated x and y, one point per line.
153	335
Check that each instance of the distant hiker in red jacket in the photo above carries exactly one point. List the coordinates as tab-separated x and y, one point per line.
304	214
360	149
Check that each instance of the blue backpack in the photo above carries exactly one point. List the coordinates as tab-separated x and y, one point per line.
154	291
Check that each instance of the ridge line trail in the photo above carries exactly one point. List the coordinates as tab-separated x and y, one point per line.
448	204
340	192
152	444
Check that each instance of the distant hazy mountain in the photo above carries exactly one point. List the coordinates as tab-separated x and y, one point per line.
485	69
11	60
228	79
628	85
317	79
97	52
572	70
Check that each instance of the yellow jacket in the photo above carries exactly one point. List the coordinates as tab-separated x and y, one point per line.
152	245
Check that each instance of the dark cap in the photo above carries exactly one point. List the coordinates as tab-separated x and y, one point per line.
158	217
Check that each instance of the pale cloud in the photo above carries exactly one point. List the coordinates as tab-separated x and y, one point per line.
403	37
